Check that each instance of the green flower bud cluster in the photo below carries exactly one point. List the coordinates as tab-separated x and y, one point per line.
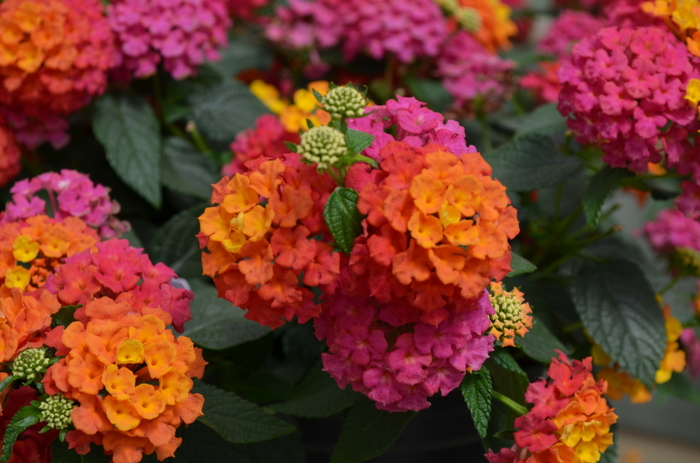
56	411
448	6
512	314
30	364
323	145
469	19
688	260
344	101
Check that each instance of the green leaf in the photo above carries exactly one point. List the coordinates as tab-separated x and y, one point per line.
65	316
7	381
432	92
216	323
545	120
539	343
23	419
175	243
128	129
520	265
236	419
60	453
507	376
187	170
224	110
531	162
680	387
317	396
243	53
602	185
357	140
617	306
342	217
368	432
476	390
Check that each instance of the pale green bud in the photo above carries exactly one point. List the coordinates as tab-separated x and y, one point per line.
56	410
344	102
469	19
30	363
323	145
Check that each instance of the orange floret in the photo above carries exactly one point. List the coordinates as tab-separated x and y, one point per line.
24	320
496	25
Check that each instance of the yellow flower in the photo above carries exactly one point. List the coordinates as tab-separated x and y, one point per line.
269	95
692	92
17	277
25	249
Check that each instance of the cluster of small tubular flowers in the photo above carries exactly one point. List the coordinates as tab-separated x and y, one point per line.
31	132
407	29
131	379
570	420
54	56
180	34
10	155
691	345
304	105
511	315
681	16
115	269
71	194
621	87
496	25
476	78
673	230
30	250
412	123
268	138
629	13
260	240
396	363
32	446
543	81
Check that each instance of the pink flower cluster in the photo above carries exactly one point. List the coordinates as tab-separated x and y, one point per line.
406	28
691	345
689	199
266	139
245	9
116	270
412	123
400	365
179	33
32	132
629	13
71	194
621	87
672	229
10	155
469	71
569	28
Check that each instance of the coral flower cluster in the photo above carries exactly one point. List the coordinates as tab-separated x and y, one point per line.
398	364
10	155
130	377
180	34
570	420
114	269
260	239
71	194
30	250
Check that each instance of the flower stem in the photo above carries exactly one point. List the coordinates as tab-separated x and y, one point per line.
673	282
510	403
573	327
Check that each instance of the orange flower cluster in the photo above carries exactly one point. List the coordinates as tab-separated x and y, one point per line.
131	377
260	239
293	115
437	228
496	25
10	155
54	55
30	250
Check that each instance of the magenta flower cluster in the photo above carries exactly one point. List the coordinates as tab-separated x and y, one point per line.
399	366
179	33
408	29
629	13
411	122
468	71
567	30
70	194
621	87
691	345
671	230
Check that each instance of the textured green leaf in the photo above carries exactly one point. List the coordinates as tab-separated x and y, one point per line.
7	381
539	343
236	419
507	376
23	419
216	323
520	265
617	306
342	217
242	53
187	170
680	387
368	432
531	162
476	390
65	316
545	120
602	185
175	243
128	129
357	140
60	453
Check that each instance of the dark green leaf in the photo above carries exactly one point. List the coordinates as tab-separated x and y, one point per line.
357	140
128	129
60	453
368	432
545	120
216	323
531	162
23	419
520	265
243	53
432	92
476	390
539	343
236	419
507	376
680	387
202	444
342	217
65	316
617	306
602	185
7	381
175	243
187	170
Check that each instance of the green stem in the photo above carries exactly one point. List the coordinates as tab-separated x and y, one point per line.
673	282
485	132
557	202
199	142
510	403
336	176
573	327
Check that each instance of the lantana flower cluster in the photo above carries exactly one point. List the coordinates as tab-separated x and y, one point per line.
293	115
621	87
180	34
511	315
130	377
71	194
570	420
10	154
119	271
496	25
31	445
